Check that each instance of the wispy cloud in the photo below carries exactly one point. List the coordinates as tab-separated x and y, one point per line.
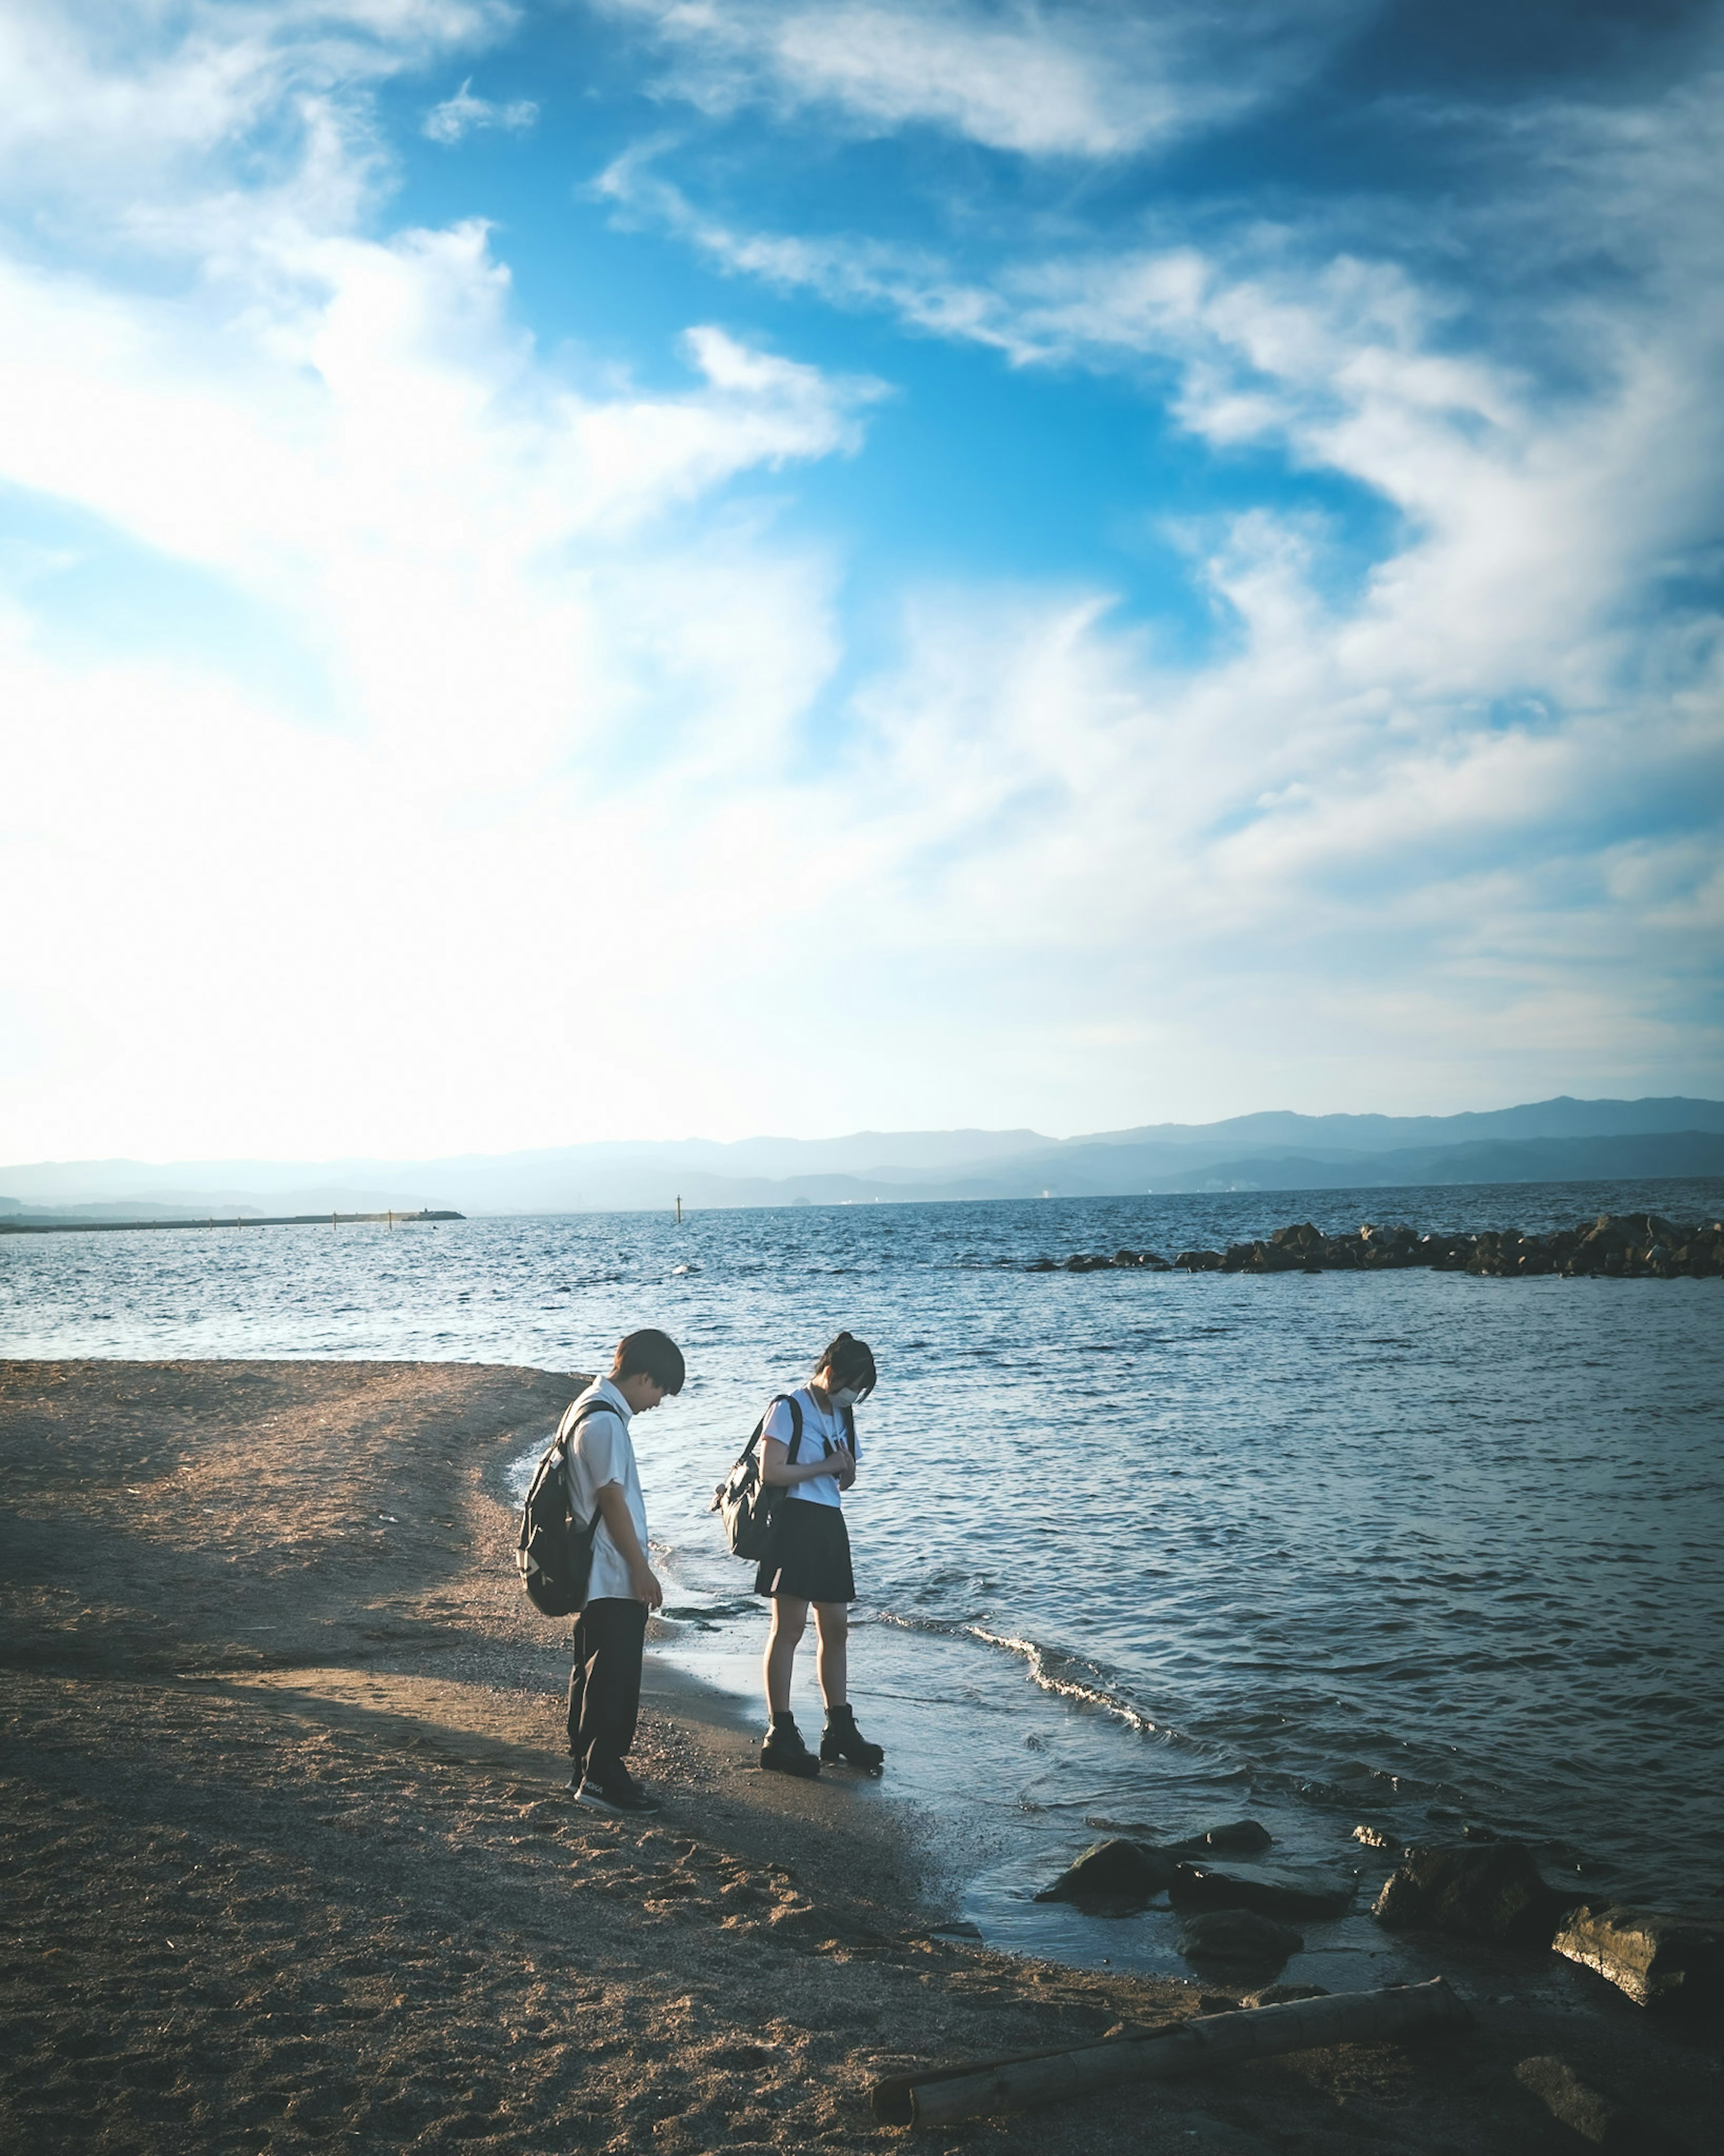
1071	80
1439	787
463	113
526	605
578	736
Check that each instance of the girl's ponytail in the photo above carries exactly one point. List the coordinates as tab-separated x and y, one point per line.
851	1362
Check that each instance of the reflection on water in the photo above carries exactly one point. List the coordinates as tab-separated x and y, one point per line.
1133	1546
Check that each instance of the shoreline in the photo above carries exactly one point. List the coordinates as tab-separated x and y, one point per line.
290	1857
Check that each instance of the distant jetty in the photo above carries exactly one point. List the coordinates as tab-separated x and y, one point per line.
221	1220
1615	1246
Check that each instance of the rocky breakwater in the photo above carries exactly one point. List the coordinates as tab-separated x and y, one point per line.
1615	1246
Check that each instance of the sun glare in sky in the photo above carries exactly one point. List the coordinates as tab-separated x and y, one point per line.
639	568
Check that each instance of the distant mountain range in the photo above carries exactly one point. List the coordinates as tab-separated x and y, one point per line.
1562	1140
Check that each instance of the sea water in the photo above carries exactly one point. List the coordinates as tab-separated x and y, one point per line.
1134	1549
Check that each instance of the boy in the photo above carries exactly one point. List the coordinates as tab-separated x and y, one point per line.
604	1685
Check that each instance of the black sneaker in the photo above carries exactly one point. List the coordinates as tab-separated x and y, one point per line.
843	1744
616	1791
784	1752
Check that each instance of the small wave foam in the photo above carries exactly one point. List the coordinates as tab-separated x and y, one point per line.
1065	1675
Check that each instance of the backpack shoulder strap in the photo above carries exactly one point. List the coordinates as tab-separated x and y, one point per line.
577	1412
573	1416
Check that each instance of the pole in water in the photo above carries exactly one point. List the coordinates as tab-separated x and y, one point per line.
678	1212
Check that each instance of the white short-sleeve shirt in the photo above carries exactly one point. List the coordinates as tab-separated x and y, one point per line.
602	1452
822	1430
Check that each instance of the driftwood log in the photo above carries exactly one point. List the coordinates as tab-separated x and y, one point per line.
940	2096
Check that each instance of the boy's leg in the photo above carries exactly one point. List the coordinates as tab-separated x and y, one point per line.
578	1687
615	1629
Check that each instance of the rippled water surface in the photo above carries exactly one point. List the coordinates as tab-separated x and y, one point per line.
1324	1547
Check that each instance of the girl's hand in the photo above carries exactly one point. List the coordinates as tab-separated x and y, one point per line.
843	1466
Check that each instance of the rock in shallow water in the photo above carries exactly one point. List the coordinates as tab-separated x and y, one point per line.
1116	1871
1238	1838
1658	1957
1494	1892
1274	1890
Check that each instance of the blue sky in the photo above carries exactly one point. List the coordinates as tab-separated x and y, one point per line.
648	569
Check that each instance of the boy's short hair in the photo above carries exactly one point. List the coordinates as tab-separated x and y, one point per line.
651	1353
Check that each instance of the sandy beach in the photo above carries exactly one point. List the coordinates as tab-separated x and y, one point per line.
289	1862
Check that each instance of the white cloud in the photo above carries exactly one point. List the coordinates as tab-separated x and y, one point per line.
1443	836
1477	794
563	678
97	98
1043	81
462	114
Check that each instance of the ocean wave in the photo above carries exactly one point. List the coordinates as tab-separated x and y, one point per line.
1049	1667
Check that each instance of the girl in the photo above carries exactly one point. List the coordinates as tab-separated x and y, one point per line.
810	1558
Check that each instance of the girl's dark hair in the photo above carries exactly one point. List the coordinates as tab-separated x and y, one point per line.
851	1362
654	1352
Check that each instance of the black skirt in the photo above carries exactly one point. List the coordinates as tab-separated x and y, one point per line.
810	1556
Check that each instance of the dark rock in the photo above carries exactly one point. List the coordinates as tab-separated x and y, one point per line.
1041	1266
1217	2002
1118	1872
1658	1957
1274	1891
1494	1893
1283	1994
1593	2112
1199	1261
1238	1938
1238	1838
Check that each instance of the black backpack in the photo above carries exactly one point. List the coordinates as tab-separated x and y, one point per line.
554	1556
749	1505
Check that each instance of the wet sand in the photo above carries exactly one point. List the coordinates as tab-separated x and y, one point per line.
288	1862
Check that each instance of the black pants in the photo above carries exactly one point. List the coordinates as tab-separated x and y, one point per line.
604	1684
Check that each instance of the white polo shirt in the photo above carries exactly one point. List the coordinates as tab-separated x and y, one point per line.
602	1452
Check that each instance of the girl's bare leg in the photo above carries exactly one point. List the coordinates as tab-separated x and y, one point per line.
832	1620
790	1616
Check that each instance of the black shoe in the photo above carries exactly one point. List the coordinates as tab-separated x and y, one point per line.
842	1743
784	1752
617	1791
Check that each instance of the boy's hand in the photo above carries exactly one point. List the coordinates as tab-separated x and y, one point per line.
646	1589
